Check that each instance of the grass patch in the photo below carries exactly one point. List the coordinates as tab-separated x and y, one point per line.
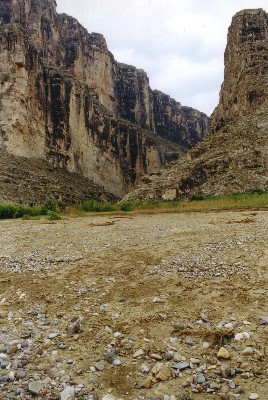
255	199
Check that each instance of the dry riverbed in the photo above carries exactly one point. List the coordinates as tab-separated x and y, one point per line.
135	306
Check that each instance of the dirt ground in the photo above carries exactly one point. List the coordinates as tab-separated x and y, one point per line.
137	282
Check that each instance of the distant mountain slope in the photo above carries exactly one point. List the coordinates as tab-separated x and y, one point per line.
234	158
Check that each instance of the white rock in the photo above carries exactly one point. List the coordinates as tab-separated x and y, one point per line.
144	368
253	396
248	351
229	325
157	300
242	335
117	362
52	335
138	353
109	397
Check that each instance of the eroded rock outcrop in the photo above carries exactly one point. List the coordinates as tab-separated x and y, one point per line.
64	99
234	158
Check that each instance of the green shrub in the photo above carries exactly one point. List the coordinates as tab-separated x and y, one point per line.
53	215
257	191
9	211
50	205
127	206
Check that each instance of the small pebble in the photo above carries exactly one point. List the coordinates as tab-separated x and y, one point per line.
253	396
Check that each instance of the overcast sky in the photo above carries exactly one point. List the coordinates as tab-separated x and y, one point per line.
179	43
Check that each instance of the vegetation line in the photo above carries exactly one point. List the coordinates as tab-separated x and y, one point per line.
255	199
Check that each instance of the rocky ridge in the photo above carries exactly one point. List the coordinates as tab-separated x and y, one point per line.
66	100
234	158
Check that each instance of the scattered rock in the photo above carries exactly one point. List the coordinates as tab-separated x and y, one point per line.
225	370
253	396
35	387
248	351
68	393
138	353
223	353
263	320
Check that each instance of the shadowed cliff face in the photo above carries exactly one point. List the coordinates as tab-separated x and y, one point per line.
234	158
64	99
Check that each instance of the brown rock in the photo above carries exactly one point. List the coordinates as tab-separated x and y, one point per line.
225	370
223	353
162	371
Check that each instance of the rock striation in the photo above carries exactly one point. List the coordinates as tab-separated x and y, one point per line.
65	100
234	158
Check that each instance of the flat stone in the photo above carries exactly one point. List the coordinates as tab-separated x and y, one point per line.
162	371
253	396
204	317
67	393
215	386
195	360
178	326
4	364
52	335
248	351
223	353
231	384
117	362
225	370
20	374
199	379
100	365
156	356
181	365
35	387
109	397
263	320
190	341
138	353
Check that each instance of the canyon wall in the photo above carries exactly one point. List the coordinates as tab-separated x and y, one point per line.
66	100
234	158
244	91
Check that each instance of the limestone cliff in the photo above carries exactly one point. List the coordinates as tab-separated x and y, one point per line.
64	99
234	158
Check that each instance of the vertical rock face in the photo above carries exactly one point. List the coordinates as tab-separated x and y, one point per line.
234	158
64	99
245	78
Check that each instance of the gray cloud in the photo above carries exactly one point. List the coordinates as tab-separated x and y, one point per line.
179	43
